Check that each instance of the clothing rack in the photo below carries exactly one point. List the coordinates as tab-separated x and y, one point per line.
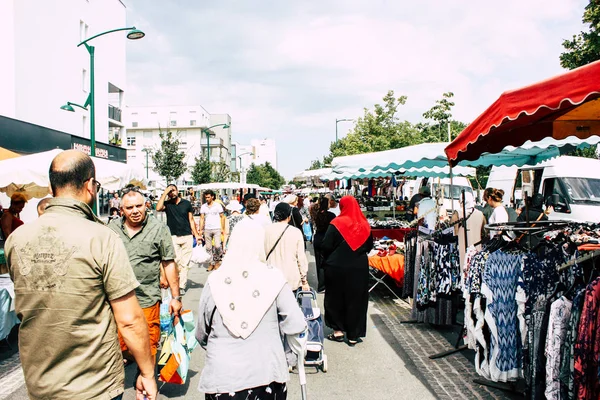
578	260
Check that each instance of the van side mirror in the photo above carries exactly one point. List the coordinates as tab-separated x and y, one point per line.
553	200
558	202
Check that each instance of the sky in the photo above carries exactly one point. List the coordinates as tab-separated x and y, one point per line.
285	70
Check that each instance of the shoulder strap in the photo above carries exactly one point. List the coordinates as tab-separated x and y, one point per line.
209	326
277	242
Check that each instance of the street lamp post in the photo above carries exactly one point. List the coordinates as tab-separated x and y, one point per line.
146	150
336	128
241	168
133	34
207	130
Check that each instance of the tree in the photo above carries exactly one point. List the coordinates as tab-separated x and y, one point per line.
220	172
377	130
265	176
440	116
201	171
315	164
168	160
584	48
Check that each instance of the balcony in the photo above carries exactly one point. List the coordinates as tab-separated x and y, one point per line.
114	113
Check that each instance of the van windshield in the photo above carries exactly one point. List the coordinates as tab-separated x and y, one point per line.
583	190
456	190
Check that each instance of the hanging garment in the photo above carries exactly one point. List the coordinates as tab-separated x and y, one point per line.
567	359
587	346
499	286
560	314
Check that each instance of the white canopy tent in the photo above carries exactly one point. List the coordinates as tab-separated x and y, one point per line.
29	174
228	185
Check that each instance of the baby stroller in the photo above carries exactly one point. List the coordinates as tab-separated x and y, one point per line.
307	300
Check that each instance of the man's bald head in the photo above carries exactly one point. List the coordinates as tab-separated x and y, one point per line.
70	170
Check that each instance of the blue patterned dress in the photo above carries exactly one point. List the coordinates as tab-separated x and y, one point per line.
500	288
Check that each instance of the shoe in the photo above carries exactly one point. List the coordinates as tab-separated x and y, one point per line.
353	343
335	338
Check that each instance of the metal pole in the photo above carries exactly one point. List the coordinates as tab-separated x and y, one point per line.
92	103
465	220
451	189
146	150
90	50
208	144
449	135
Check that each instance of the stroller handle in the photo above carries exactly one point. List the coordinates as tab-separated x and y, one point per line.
301	293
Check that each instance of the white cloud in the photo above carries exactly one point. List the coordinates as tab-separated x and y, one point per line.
286	70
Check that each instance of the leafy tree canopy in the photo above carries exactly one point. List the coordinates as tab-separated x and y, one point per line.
265	176
201	171
168	160
584	47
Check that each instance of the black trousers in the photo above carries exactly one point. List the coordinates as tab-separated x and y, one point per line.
272	391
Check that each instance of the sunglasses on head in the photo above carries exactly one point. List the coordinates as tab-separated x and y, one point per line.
130	189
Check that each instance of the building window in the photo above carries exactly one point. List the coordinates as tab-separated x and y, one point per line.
153	113
173	123
84	80
134	124
192	122
130	140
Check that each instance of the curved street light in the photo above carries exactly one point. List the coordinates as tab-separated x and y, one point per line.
207	130
133	34
336	130
241	168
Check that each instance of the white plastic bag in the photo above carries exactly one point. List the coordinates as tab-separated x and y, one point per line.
199	255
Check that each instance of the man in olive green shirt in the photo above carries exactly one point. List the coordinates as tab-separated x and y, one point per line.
73	288
150	249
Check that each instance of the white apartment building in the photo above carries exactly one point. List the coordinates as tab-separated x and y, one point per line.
144	124
42	68
264	150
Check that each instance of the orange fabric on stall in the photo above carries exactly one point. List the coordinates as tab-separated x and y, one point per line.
390	265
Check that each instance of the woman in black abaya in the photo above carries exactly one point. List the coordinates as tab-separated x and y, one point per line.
321	220
345	247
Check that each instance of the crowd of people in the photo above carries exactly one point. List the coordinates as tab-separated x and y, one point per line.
101	284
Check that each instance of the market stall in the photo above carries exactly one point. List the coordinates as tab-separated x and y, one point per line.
29	175
534	301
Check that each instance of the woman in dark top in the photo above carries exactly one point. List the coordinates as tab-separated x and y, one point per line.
345	247
296	220
535	210
321	220
536	213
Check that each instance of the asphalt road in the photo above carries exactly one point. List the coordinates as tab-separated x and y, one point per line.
372	370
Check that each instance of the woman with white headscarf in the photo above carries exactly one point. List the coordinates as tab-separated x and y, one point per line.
244	306
475	223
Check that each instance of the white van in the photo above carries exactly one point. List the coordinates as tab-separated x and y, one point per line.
574	180
458	184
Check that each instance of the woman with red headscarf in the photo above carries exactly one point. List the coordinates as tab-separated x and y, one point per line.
345	247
